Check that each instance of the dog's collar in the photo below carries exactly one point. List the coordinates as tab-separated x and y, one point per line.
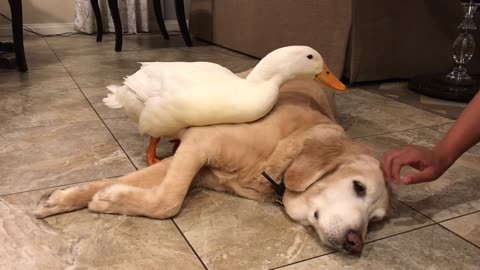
278	188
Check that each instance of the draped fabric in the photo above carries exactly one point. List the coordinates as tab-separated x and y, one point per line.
133	13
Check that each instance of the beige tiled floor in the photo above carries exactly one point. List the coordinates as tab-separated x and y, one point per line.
55	131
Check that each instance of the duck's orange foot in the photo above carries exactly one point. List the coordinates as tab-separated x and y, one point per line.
152	152
152	160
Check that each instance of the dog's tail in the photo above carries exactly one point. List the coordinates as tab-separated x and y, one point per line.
111	100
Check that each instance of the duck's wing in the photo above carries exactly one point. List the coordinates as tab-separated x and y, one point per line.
156	79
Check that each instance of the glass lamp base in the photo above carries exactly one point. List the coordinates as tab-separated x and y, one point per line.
438	87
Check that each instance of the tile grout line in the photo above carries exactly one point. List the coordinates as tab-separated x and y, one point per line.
304	260
80	89
440	222
466	240
435	113
448	219
58	186
189	244
386	133
412	129
47	125
367	243
396	234
402	117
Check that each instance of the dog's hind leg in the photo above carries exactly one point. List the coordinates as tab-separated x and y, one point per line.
162	201
78	196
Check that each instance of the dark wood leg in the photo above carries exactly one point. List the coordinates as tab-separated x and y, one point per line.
98	19
113	6
17	29
182	22
157	6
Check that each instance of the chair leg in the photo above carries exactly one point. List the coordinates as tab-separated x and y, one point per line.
182	22
157	6
17	29
113	6
98	19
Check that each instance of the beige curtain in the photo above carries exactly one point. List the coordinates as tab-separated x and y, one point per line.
133	13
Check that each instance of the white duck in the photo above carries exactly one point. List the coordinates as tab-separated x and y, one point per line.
166	97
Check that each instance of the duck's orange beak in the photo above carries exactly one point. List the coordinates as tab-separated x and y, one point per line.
327	77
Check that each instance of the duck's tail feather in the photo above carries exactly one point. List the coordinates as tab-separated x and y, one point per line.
111	100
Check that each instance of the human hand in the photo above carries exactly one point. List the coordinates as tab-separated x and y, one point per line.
431	165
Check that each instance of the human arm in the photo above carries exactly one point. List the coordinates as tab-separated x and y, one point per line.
432	163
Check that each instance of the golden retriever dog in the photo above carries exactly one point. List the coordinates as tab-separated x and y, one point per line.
323	178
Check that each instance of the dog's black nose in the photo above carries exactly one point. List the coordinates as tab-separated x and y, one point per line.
353	242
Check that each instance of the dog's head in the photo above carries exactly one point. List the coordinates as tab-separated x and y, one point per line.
336	186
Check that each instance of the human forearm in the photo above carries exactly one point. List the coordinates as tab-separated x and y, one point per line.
463	134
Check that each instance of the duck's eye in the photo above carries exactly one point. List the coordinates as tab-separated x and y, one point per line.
359	188
315	215
310	56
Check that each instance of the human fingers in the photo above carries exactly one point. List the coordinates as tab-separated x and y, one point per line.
397	163
420	177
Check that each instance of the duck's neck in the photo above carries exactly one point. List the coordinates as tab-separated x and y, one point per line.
262	73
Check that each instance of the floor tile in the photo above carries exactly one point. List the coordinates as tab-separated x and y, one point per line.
243	234
154	41
402	219
360	120
41	157
428	248
127	134
467	227
83	240
100	71
86	69
36	80
25	108
95	96
396	108
39	55
399	91
234	233
454	193
82	45
445	128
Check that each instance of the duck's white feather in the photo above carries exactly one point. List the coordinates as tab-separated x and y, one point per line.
180	94
166	97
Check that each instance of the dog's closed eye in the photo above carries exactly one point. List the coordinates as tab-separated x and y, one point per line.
359	188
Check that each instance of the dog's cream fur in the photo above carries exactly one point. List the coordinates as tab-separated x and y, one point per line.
299	140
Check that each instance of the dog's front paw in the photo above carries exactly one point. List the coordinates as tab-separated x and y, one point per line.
58	201
111	200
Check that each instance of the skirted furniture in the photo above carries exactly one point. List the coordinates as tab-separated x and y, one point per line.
113	7
364	40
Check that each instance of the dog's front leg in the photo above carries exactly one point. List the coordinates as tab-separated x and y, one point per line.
162	201
78	196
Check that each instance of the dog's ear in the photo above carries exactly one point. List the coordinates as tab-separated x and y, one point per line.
319	157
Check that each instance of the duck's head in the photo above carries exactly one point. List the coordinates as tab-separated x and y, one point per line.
295	62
